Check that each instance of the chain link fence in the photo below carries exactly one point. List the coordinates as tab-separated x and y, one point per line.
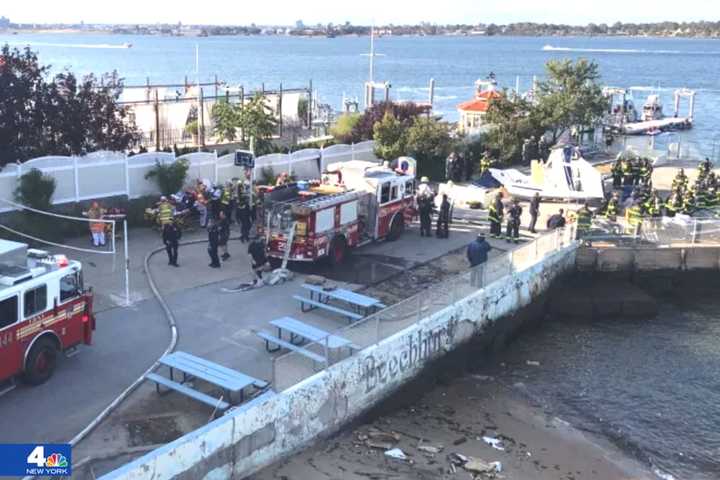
293	367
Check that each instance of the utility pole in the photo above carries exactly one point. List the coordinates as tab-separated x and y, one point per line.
280	113
157	122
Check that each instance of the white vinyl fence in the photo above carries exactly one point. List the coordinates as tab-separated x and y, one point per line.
110	174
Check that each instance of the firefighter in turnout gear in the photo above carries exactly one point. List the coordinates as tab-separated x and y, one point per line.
611	209
584	221
617	173
627	173
495	215
165	212
673	204
680	182
633	217
512	232
689	202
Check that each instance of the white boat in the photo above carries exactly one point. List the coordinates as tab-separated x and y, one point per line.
652	109
565	175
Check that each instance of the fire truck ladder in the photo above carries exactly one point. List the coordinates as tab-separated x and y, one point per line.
320	202
281	274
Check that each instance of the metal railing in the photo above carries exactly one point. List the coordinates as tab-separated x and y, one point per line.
293	367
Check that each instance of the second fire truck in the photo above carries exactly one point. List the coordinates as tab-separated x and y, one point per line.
357	203
45	311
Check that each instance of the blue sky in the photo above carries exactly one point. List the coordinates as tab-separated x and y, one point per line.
283	12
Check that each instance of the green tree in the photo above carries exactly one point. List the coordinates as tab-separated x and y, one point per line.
571	96
406	113
343	127
226	120
429	142
390	137
511	122
170	177
257	121
62	115
35	190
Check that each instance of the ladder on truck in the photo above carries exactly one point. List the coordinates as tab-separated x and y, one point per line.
282	274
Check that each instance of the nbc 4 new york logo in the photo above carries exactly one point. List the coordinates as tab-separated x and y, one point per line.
54	464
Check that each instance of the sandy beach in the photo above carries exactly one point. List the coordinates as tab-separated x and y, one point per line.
441	434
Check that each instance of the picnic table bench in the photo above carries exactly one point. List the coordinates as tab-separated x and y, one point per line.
303	332
320	298
229	380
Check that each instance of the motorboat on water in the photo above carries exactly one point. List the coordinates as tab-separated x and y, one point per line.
565	175
127	45
652	109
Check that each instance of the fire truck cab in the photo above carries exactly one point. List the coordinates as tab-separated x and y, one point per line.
45	310
357	203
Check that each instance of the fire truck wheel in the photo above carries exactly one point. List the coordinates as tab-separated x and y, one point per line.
396	227
41	362
338	251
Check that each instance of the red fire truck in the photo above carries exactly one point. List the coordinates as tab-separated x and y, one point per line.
44	311
357	203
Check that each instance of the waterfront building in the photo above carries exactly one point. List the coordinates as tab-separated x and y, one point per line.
472	113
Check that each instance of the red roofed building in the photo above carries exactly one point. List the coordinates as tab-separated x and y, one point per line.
473	111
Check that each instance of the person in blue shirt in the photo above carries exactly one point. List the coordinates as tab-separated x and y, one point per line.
477	251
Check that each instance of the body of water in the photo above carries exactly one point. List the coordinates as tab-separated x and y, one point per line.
651	386
337	67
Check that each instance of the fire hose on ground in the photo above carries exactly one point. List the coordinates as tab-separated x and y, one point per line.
134	386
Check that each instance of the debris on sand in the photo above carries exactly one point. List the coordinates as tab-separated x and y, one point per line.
397	454
379	439
496	443
430	448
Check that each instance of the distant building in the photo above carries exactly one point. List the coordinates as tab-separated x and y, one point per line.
472	113
4	22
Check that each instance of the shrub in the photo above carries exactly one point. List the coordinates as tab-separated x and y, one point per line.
170	177
35	190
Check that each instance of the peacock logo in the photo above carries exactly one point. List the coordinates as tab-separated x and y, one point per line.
56	460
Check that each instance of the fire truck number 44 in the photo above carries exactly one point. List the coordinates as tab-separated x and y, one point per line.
45	311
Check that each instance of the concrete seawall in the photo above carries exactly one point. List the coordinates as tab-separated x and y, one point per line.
271	428
643	259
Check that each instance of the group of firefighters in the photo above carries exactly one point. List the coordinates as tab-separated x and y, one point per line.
216	207
644	201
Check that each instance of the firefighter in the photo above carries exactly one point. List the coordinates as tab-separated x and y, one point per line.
633	217
213	243
689	203
611	209
512	232
171	237
584	221
227	201
673	204
617	173
645	171
165	212
653	205
424	188
223	224
97	229
258	260
627	173
705	167
425	207
680	181
243	214
495	215
442	229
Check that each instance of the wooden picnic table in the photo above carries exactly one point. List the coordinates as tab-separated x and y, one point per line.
231	381
309	332
356	300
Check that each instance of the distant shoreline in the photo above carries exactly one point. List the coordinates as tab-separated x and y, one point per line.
73	31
